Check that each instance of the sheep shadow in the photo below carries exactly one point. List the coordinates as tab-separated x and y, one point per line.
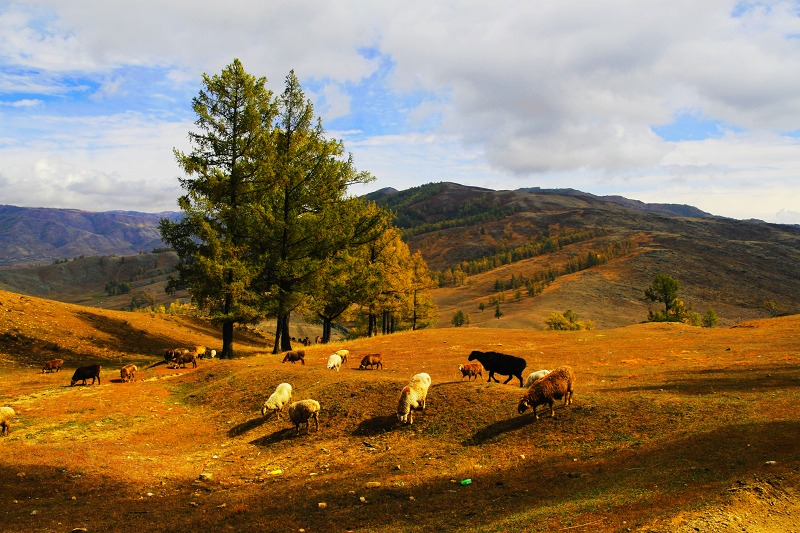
244	427
498	428
281	435
375	426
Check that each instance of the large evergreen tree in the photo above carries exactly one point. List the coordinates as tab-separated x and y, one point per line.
303	208
230	150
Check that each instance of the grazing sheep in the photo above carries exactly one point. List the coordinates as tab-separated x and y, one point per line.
412	397
211	353
199	351
299	355
471	370
372	360
505	365
533	376
179	361
335	361
86	372
276	401
304	411
554	386
6	415
53	364
128	373
172	353
318	340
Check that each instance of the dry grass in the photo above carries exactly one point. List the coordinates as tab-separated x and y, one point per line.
671	429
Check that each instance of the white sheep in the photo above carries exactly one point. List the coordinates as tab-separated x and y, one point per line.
413	397
304	411
533	376
335	361
6	415
276	401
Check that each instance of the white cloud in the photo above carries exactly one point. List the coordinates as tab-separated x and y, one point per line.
515	94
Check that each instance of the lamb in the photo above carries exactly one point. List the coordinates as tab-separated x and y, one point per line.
211	353
293	356
86	372
554	386
506	365
412	397
128	372
335	361
304	411
533	376
371	359
53	364
471	370
6	415
276	401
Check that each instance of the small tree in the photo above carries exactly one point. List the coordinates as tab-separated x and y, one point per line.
665	290
481	306
460	318
710	319
497	312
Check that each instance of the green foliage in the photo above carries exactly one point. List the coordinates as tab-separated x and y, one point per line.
710	319
664	289
117	287
460	318
568	321
497	312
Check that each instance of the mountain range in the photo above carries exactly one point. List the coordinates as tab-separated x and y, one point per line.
598	253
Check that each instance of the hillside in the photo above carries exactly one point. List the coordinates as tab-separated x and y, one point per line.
35	235
673	429
731	266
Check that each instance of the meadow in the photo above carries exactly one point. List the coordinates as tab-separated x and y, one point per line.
672	429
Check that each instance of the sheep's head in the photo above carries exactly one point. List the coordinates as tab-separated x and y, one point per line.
524	404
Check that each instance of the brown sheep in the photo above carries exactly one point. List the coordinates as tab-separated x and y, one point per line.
6	415
293	356
199	351
128	373
53	364
471	370
186	357
371	359
554	386
172	353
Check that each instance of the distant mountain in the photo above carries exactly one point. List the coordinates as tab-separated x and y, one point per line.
31	235
598	254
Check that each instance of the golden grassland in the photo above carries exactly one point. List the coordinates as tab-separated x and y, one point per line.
672	428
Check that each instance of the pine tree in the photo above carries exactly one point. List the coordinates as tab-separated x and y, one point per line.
228	156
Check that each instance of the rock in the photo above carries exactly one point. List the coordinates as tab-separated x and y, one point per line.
322	505
205	476
373	483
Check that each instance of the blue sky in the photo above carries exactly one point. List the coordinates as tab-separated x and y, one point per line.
683	102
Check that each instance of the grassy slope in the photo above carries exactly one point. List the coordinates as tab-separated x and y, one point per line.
671	430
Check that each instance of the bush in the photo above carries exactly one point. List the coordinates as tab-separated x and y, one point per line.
710	319
460	318
568	321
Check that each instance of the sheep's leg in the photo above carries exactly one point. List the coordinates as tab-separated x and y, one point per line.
535	415
509	379
552	411
316	422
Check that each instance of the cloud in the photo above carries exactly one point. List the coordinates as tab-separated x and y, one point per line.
502	94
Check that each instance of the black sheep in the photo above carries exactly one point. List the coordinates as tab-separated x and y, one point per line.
86	372
503	364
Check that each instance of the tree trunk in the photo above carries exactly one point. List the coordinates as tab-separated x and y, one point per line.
227	340
326	329
286	340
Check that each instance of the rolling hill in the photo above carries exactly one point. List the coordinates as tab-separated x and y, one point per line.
598	253
672	429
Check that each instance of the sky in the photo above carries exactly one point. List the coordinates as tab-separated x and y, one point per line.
680	102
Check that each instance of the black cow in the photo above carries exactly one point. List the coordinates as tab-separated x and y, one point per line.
86	372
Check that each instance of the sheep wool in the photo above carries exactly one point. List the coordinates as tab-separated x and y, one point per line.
276	401
412	397
533	376
554	386
302	412
6	415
